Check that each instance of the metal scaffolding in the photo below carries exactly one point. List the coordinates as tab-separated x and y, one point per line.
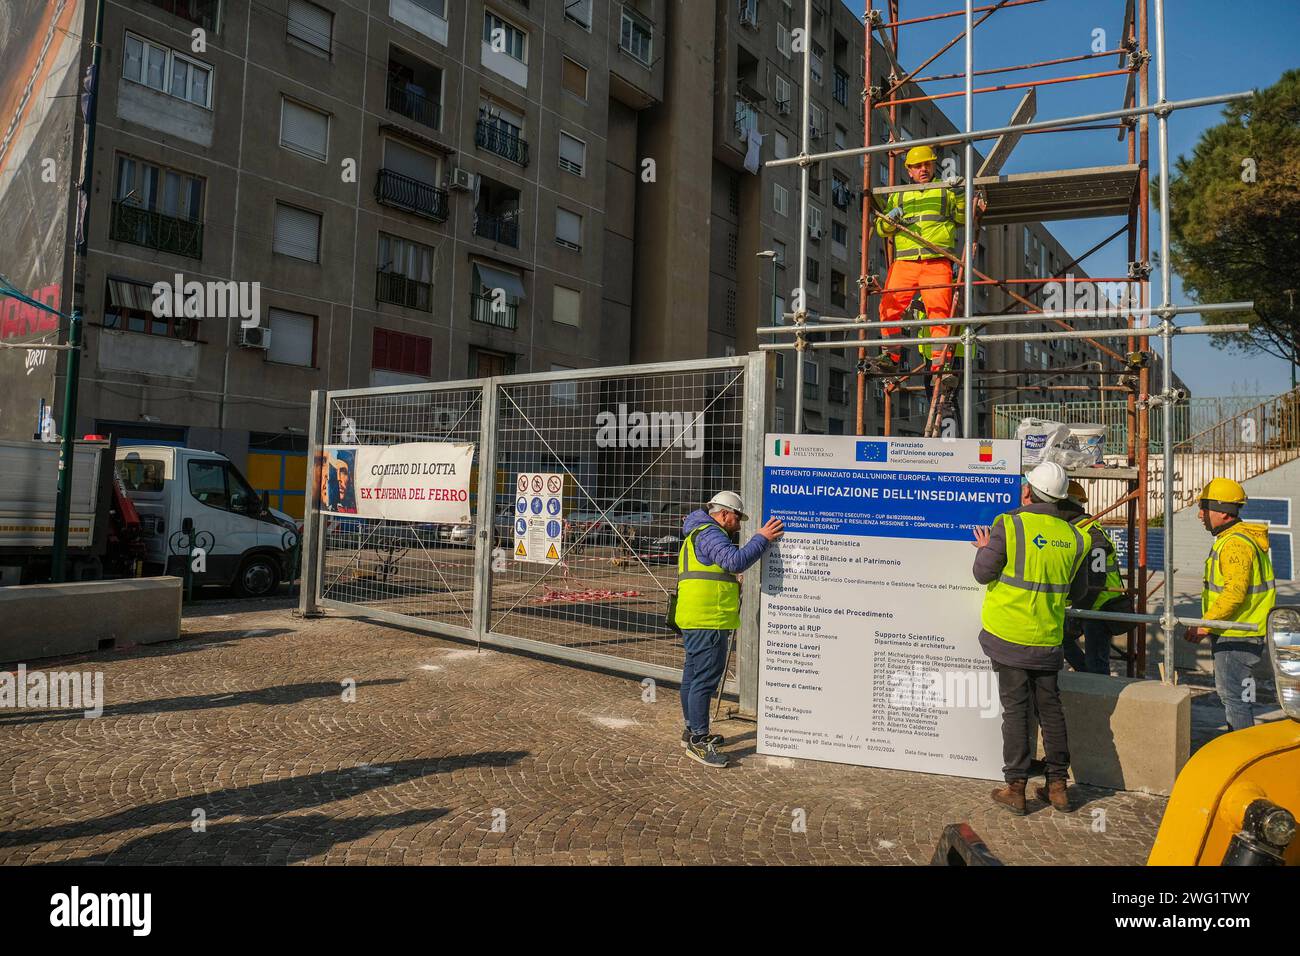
1121	189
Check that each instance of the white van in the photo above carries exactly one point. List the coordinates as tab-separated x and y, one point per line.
248	545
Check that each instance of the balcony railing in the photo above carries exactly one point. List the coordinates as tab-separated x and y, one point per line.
502	229
421	198
811	391
837	396
201	13
636	36
398	289
402	99
494	139
481	310
142	227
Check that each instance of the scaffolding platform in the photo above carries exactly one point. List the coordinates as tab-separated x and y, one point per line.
1086	193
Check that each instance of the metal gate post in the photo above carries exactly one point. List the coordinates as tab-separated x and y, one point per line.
757	373
312	547
484	538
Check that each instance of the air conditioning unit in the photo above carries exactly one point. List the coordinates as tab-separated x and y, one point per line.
461	178
780	381
256	337
815	232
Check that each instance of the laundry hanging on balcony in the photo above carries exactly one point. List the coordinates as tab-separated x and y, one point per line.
754	140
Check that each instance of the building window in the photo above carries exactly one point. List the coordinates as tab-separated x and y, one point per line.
568	229
779	248
297	233
500	130
310	26
404	273
636	35
504	37
409	180
304	130
579	11
783	40
293	338
573	154
574	77
128	307
780	146
485	364
400	352
784	94
202	13
567	306
813	271
780	199
496	296
839	232
414	88
157	208
167	71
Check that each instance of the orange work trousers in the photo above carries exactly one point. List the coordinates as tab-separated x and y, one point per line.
901	284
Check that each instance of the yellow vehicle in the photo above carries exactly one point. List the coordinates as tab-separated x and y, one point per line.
1237	800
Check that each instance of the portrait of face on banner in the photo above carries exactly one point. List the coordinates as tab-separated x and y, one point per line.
338	493
413	481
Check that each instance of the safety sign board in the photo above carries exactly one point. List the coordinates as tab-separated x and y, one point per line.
539	522
870	616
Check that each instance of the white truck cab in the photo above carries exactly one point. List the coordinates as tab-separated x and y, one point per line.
246	545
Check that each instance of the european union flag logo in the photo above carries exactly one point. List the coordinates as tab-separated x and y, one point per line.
873	451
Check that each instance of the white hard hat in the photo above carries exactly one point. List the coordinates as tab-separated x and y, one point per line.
731	501
1049	480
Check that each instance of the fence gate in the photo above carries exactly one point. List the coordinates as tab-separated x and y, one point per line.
636	448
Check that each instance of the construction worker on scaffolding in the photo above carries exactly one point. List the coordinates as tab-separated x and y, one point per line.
1238	586
934	213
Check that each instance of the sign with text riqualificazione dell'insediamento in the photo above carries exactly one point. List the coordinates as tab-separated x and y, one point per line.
870	648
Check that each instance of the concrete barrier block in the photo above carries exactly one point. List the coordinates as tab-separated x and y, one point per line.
55	620
1126	733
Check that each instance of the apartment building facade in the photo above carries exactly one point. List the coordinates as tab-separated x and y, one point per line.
421	189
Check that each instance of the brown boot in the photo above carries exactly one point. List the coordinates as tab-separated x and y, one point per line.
1057	794
1012	796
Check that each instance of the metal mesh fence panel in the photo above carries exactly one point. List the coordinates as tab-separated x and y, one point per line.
637	452
419	570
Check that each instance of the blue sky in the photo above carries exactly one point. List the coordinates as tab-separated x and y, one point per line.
1212	48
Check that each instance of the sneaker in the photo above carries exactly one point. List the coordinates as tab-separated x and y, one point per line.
716	739
702	750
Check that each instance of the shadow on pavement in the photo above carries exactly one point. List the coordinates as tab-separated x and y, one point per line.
266	696
269	799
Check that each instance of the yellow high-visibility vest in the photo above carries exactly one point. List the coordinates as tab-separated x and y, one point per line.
708	597
1026	604
1261	595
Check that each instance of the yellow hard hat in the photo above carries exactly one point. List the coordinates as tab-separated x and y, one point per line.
1077	493
1224	491
918	155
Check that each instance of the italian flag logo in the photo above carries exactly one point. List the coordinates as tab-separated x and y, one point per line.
780	447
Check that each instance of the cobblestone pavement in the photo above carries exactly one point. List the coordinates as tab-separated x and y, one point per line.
452	755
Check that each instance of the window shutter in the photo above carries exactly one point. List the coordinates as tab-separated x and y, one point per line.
305	130
573	153
297	233
292	338
568	227
575	78
568	306
410	162
311	24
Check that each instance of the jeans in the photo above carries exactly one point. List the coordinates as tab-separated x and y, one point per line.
1094	657
706	658
1016	687
1233	662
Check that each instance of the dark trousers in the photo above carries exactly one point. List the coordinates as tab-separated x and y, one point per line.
1016	688
1094	657
706	657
